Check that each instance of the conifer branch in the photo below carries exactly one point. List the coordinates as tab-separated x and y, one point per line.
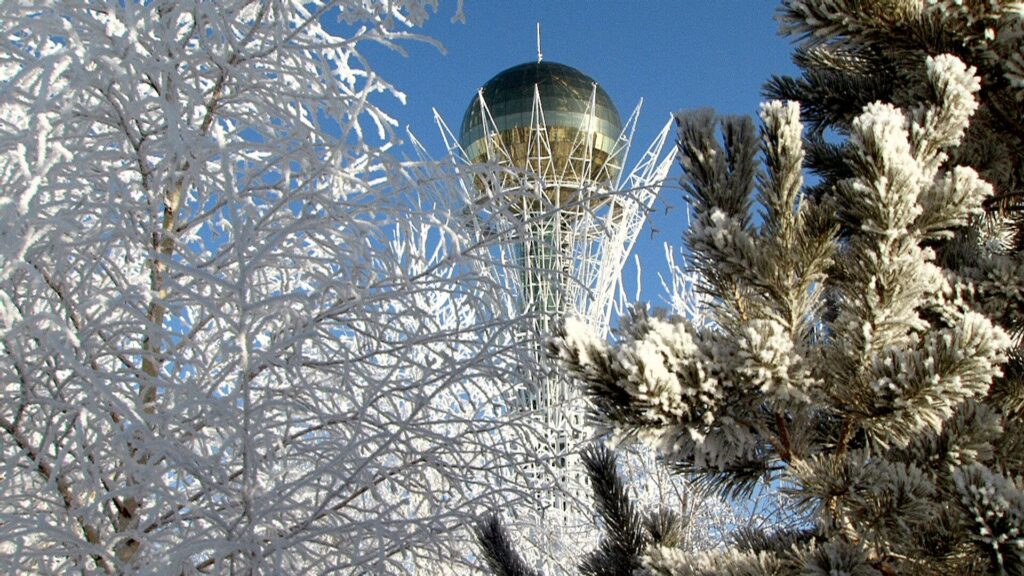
498	552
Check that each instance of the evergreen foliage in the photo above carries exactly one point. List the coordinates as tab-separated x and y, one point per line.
498	552
854	52
627	532
861	350
850	367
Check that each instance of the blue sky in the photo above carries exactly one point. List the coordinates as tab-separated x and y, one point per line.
675	55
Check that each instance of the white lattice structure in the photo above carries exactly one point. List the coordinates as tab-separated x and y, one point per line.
574	215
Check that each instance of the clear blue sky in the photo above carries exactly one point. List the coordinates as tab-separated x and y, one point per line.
675	55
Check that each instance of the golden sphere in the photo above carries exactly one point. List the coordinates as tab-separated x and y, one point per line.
581	142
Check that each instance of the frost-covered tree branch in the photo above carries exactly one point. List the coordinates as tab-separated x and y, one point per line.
238	334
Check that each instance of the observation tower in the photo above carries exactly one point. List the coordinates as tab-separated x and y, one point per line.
574	210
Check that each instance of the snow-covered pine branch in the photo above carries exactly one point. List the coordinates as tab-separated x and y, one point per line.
839	359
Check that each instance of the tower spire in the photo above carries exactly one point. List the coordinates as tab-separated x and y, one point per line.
540	55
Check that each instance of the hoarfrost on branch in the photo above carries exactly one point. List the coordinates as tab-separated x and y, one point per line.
237	334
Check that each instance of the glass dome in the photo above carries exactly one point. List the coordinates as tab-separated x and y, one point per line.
581	144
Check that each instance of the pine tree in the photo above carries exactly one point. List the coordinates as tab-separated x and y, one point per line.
854	52
843	362
862	351
846	359
627	532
